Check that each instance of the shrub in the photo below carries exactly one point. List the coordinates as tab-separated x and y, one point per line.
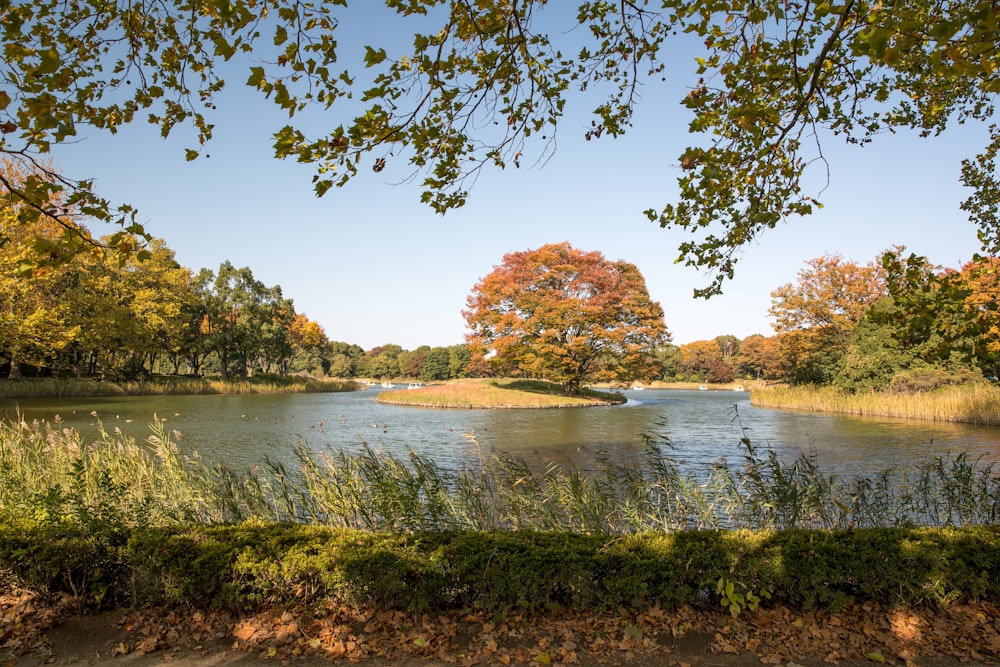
247	565
929	378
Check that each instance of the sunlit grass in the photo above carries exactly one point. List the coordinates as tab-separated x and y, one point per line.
51	474
166	385
972	404
511	393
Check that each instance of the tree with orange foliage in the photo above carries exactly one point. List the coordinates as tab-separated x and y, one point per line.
565	315
832	291
980	284
815	316
705	360
760	357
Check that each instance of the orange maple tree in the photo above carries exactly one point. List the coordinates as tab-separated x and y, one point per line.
831	292
565	315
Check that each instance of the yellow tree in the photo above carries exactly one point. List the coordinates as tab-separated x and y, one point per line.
307	340
33	319
980	279
161	301
34	322
565	315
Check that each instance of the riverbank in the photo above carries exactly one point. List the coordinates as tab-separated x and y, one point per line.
968	404
498	394
167	385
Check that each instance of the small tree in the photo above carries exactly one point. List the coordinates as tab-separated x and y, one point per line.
565	315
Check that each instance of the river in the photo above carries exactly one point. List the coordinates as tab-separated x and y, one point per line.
700	426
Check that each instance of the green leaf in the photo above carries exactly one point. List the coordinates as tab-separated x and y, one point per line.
51	62
280	35
222	47
322	187
373	57
256	78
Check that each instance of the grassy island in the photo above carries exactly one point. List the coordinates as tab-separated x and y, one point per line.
498	394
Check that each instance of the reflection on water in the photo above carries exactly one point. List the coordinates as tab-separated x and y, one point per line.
700	427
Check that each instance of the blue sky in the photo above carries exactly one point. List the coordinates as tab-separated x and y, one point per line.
373	265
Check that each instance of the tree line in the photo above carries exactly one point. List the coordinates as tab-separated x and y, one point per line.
96	316
896	323
96	313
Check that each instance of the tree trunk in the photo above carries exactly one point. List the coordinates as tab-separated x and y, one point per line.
15	364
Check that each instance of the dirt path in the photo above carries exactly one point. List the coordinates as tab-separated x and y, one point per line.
191	638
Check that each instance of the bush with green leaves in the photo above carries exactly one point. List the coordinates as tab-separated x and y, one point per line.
255	564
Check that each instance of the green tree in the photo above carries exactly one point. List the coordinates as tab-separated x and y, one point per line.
930	310
381	362
245	321
565	315
342	359
458	361
486	84
669	357
436	365
873	354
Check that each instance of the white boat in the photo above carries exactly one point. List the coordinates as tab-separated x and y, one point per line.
388	385
738	388
702	388
414	385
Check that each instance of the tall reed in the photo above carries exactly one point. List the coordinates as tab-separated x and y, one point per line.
48	474
167	385
973	404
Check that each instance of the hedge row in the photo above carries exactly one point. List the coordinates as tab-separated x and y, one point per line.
248	565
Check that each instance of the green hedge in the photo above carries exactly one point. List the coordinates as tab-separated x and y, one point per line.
248	565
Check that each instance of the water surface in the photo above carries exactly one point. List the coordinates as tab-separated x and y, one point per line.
701	427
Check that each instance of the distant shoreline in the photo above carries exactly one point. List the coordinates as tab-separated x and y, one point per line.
167	386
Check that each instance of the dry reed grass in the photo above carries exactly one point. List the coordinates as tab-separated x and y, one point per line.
492	394
49	474
972	404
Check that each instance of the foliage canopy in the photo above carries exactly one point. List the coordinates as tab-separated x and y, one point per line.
561	314
485	83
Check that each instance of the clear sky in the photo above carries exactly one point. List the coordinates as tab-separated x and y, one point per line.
373	265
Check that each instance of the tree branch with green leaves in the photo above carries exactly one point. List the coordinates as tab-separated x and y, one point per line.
484	84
